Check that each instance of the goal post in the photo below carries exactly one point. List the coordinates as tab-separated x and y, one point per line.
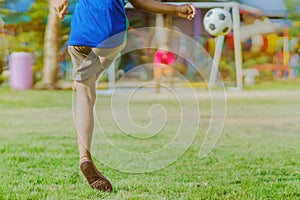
235	7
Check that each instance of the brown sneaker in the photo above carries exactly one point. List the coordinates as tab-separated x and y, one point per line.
95	179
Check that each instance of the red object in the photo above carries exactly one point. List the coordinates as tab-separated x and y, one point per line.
163	60
230	41
265	44
164	57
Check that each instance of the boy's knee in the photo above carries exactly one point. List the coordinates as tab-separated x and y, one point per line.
85	87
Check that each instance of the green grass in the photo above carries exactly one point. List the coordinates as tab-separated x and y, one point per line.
257	156
281	84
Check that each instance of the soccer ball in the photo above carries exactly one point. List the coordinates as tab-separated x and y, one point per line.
217	21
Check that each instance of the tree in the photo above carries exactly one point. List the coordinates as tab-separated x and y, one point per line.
293	7
51	46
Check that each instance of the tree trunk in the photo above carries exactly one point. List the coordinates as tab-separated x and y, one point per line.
51	47
3	50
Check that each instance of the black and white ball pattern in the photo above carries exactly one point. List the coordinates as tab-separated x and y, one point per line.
217	21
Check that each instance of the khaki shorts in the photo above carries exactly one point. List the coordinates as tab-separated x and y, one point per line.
88	61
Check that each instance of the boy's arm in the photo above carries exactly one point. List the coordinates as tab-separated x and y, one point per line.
187	11
61	7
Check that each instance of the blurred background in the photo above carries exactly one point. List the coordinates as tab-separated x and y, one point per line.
269	36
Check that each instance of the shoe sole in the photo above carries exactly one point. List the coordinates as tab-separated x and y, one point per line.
95	179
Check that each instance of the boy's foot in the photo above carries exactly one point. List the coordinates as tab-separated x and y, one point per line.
95	179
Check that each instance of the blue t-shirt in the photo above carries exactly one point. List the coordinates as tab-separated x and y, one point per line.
95	22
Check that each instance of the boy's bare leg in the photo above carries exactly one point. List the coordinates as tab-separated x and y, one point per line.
84	123
84	116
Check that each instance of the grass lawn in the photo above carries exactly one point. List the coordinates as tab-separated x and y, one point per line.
257	156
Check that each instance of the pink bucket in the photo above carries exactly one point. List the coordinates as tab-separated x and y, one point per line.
20	67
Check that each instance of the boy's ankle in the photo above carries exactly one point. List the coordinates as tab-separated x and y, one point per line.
86	156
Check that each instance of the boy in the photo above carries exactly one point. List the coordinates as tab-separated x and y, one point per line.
93	22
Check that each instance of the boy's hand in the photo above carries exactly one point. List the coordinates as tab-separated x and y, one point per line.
61	7
187	11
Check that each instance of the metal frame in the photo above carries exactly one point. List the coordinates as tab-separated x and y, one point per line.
235	7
